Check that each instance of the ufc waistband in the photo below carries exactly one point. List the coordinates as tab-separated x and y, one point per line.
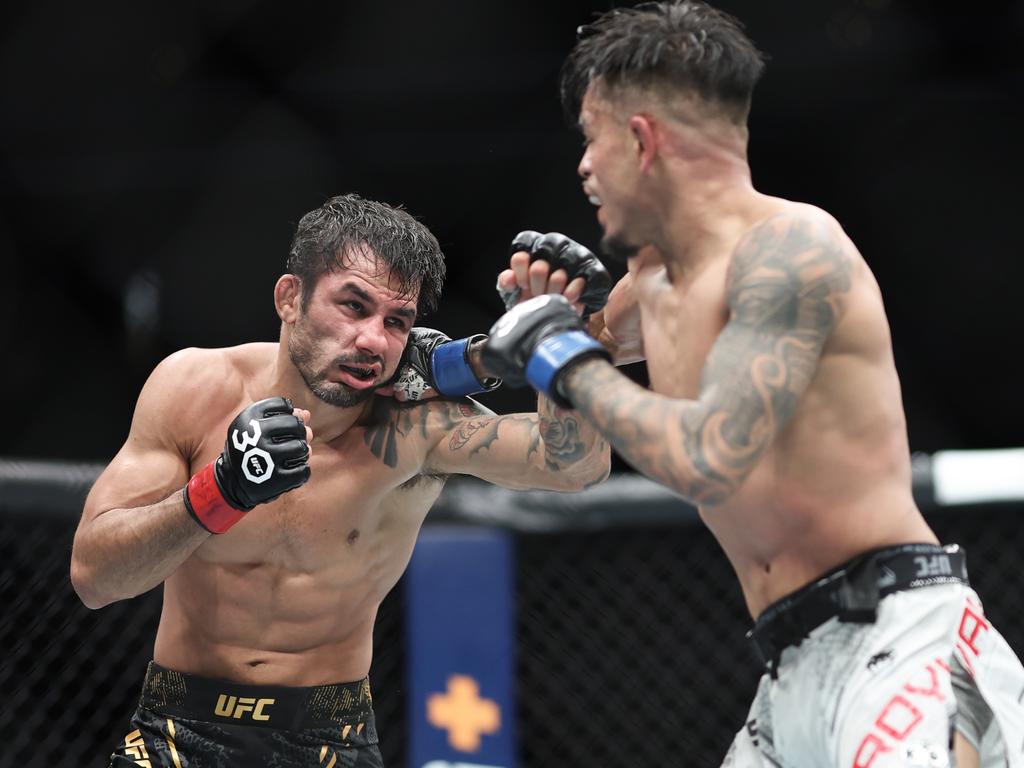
851	592
273	706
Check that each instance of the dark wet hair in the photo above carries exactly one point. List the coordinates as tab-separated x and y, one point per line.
667	46
328	237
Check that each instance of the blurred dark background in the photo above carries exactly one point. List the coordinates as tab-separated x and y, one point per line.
154	159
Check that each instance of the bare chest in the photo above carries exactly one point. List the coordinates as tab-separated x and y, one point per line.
354	506
680	325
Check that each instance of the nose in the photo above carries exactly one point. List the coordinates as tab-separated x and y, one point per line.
583	169
372	339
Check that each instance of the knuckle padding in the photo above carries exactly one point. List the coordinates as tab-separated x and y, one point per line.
283	426
272	406
291	446
564	253
550	247
525	241
598	280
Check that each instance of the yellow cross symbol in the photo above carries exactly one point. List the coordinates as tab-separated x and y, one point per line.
463	713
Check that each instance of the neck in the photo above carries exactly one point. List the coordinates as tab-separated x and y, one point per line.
705	213
706	191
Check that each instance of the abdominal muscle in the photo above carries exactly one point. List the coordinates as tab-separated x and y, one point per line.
257	624
826	491
277	617
779	540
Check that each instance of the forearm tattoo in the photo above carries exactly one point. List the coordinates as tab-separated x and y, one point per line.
481	435
553	438
564	443
558	438
786	289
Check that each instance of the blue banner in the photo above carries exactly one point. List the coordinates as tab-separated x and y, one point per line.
460	641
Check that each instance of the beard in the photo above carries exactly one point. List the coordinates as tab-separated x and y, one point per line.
303	351
616	248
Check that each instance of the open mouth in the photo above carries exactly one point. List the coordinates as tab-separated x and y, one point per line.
359	372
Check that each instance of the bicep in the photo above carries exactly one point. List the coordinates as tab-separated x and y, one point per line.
138	476
786	292
751	385
151	464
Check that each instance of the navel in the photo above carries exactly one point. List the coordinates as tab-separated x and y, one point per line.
353	537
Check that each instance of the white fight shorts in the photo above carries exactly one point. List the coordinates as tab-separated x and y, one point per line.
890	692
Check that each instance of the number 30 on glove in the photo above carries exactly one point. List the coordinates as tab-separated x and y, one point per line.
536	342
265	455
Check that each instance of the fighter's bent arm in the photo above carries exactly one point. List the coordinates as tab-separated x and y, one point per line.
552	449
135	530
787	287
125	552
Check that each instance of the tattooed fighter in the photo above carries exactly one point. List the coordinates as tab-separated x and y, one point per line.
278	500
775	408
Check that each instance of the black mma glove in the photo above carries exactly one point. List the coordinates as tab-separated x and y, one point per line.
264	456
536	342
433	361
562	252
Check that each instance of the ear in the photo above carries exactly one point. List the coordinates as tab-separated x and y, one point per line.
645	140
288	298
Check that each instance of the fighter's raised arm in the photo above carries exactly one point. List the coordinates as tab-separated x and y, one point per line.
785	293
553	449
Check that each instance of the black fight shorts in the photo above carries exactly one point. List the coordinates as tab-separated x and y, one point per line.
185	721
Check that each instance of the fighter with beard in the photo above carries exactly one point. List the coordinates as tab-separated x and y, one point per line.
278	500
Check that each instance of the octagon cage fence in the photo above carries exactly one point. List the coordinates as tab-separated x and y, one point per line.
628	617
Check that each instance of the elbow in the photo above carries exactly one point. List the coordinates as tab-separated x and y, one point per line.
600	468
597	469
586	474
596	478
84	584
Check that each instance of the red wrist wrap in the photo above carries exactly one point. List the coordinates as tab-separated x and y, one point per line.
206	503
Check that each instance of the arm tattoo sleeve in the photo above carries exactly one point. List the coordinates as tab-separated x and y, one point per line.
786	289
565	440
518	446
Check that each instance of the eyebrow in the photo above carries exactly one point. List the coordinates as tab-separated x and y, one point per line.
359	292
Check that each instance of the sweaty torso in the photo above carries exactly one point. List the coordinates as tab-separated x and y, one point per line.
288	596
836	480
